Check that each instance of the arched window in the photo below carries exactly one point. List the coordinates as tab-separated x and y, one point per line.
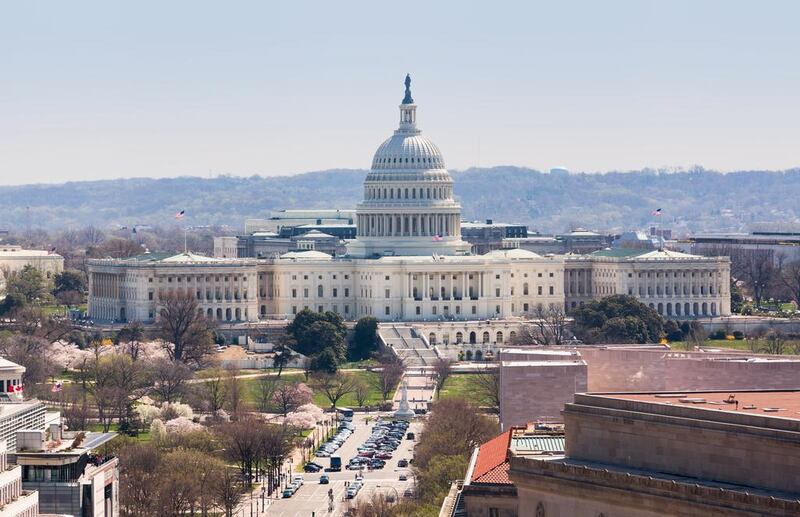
459	337
472	338
499	337
478	355
485	337
525	288
319	291
512	336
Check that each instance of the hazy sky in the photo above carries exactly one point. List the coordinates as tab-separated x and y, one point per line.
106	89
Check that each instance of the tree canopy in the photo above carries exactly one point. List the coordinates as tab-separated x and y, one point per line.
618	319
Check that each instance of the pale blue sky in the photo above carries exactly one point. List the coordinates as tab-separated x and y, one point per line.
107	89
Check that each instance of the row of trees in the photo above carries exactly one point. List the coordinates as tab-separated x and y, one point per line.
191	473
618	319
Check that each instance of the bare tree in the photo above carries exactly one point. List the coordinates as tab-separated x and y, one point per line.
487	387
234	388
242	441
227	491
131	337
290	396
334	386
138	482
442	369
387	378
169	379
265	391
361	392
550	324
790	278
215	391
188	334
775	343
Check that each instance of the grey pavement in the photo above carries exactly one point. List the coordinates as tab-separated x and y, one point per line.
312	498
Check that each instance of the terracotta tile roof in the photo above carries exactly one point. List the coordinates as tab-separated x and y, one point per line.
492	455
496	476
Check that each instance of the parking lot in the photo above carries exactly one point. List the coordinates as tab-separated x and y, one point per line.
313	496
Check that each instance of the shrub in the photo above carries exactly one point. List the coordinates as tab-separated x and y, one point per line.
717	334
738	334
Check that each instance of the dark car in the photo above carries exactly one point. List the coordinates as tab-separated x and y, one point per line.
410	436
402	463
311	467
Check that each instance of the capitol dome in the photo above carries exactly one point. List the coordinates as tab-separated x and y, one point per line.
408	207
405	150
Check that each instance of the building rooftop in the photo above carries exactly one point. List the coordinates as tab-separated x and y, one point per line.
780	404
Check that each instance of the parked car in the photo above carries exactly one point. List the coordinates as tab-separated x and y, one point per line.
324	480
402	463
403	477
410	436
288	492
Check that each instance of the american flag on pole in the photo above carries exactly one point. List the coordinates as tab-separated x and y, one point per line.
180	215
656	212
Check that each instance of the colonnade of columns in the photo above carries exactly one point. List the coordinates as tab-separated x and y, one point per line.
409	225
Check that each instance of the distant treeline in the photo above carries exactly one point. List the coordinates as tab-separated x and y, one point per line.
691	200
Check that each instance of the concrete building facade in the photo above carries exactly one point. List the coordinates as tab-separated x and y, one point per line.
668	454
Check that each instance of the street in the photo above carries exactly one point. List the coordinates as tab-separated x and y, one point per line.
312	498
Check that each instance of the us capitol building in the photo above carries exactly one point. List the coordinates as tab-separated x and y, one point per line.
407	262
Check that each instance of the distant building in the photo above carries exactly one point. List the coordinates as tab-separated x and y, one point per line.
13	258
726	453
677	285
282	218
487	236
578	241
639	240
779	246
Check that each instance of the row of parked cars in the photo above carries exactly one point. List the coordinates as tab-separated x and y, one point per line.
297	482
385	438
354	487
332	445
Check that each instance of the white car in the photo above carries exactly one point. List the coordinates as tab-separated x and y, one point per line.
298	479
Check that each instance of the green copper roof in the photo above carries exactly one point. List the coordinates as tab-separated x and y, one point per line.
620	252
535	443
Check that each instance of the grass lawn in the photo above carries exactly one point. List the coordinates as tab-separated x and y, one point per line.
250	388
736	344
462	385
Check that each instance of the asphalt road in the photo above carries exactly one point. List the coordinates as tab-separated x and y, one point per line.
312	498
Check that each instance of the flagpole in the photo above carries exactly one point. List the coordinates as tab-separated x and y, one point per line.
185	247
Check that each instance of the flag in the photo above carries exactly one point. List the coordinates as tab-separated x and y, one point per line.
180	214
437	238
57	387
17	389
656	212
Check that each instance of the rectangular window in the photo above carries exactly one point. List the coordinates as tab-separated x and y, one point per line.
497	292
539	275
497	309
294	277
474	309
539	290
552	290
386	310
387	293
418	310
497	277
305	277
319	308
387	277
150	295
347	309
305	292
433	310
346	277
294	293
525	307
346	292
494	512
335	292
294	309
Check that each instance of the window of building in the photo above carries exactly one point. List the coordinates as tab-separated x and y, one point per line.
347	309
305	277
346	277
497	309
387	293
319	308
150	295
497	292
551	275
474	309
386	310
497	277
433	310
525	307
294	309
294	293
552	290
539	275
418	310
346	292
319	291
335	292
539	290
305	292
